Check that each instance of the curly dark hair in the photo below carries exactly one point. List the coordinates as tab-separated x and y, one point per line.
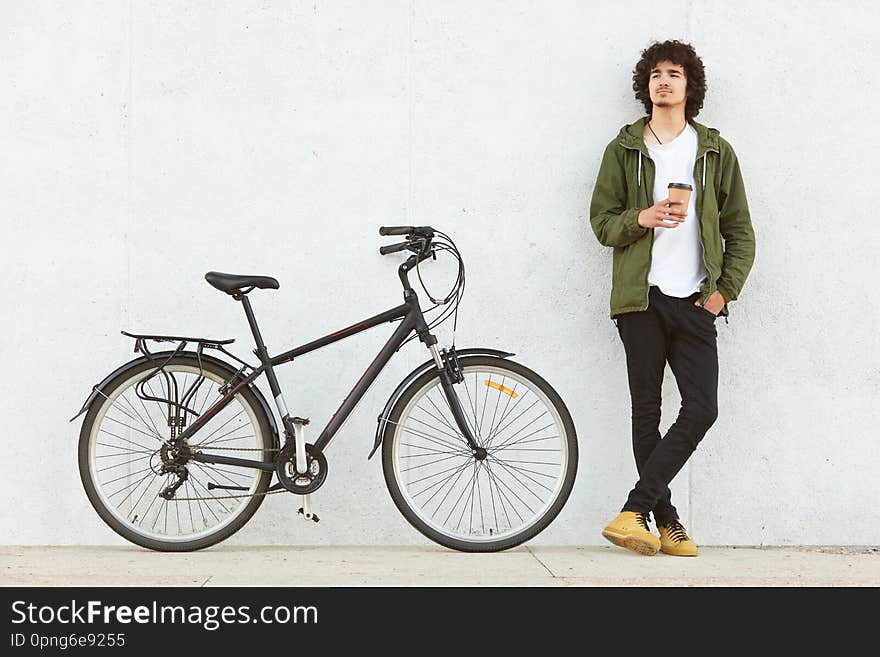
679	53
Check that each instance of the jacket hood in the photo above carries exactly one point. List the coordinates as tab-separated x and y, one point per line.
632	136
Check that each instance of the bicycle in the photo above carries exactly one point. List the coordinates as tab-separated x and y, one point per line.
479	452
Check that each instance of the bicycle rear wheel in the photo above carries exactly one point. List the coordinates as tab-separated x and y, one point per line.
123	446
473	505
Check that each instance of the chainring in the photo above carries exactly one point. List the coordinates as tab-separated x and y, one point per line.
308	482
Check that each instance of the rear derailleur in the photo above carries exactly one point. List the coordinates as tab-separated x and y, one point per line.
173	464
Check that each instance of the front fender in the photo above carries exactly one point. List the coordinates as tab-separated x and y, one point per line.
412	376
99	388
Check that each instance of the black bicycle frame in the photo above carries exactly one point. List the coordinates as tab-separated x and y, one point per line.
412	320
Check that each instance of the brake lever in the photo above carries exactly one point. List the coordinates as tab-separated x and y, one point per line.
417	246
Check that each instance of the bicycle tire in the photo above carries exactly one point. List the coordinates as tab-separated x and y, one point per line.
216	372
393	445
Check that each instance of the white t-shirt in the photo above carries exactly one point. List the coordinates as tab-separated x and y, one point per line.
677	254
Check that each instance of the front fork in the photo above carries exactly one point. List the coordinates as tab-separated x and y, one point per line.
450	373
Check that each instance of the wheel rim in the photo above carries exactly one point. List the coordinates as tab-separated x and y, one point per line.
510	491
124	458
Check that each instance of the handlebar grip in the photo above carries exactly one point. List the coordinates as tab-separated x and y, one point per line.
396	230
393	248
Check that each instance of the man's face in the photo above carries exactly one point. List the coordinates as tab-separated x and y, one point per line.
667	84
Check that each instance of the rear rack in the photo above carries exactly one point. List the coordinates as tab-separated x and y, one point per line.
140	338
177	409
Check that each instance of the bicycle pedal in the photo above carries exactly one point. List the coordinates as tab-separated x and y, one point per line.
313	518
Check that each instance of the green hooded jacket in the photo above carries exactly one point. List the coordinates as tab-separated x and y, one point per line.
625	186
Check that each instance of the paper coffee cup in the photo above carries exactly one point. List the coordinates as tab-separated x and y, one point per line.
680	192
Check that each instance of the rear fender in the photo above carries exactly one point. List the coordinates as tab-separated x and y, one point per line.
99	388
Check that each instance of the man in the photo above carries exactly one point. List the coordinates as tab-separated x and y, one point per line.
672	276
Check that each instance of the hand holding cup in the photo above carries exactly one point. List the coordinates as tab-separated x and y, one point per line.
668	213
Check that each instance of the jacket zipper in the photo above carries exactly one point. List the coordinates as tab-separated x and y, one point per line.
702	245
700	223
650	248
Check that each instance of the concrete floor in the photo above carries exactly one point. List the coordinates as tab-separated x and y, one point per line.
433	566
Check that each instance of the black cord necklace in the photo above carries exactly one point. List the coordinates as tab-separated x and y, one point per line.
654	133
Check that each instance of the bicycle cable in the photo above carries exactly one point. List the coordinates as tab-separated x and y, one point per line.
444	244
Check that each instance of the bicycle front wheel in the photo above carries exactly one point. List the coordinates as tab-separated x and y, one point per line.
490	504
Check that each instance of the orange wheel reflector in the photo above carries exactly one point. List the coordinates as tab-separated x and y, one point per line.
504	389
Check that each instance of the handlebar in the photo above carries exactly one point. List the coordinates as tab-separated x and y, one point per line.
409	231
420	240
393	248
396	230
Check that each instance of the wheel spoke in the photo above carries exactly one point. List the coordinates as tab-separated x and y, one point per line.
423	433
439	441
466	416
125	476
497	402
502	496
461	469
531	406
110	467
473	499
221	426
463	491
424	465
513	492
204	467
532	479
149	416
135	484
113	419
217	442
523	442
485	399
143	447
492	496
127	450
128	486
456	436
436	474
455	432
508	411
223	436
115	404
509	440
473	424
138	414
211	494
426	450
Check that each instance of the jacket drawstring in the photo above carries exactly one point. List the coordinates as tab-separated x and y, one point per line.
705	157
640	169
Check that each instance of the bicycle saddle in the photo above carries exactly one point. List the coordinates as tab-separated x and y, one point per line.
235	283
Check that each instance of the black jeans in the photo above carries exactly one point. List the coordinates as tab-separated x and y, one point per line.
675	330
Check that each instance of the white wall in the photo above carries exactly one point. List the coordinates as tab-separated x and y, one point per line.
146	143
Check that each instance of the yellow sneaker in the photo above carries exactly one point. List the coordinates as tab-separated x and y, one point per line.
675	541
630	530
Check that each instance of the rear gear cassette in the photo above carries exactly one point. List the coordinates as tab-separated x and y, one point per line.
311	479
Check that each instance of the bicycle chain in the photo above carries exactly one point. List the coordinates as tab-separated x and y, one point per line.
224	497
241	449
233	497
